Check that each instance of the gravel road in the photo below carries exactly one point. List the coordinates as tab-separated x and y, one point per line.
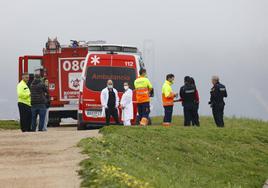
42	159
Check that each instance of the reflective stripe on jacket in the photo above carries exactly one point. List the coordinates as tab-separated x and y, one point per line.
24	94
167	94
142	87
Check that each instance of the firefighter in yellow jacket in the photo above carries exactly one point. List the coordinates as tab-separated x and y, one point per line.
143	88
24	103
168	99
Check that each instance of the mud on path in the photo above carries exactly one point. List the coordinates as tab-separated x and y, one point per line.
42	159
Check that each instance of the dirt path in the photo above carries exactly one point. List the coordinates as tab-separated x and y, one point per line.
41	159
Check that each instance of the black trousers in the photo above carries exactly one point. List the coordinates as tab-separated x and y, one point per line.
195	117
190	114
168	114
111	112
25	117
218	112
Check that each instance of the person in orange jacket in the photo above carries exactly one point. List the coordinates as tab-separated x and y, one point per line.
143	88
168	99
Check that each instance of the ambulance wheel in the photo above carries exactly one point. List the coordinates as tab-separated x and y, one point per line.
137	120
81	127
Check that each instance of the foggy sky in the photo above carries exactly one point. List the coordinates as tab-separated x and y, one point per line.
199	38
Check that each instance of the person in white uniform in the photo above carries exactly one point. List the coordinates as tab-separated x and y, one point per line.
127	105
110	102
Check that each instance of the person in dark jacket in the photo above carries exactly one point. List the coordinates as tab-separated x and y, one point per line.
217	94
187	94
38	102
195	119
110	102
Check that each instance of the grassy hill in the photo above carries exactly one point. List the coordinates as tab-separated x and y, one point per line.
155	156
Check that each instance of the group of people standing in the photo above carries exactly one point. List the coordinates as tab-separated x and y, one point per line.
33	101
110	101
188	96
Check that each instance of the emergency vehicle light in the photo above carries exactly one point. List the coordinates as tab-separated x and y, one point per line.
113	48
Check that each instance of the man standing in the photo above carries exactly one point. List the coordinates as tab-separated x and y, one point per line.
187	94
24	103
110	102
143	89
127	105
168	99
38	101
217	93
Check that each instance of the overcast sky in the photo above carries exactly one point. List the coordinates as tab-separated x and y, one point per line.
199	38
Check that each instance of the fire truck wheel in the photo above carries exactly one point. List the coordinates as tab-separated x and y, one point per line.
54	121
54	124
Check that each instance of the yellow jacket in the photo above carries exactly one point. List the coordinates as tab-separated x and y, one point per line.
167	94
24	94
142	87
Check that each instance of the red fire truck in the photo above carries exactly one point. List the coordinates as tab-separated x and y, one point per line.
62	66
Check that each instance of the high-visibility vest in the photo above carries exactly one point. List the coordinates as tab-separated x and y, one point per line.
24	94
142	88
167	94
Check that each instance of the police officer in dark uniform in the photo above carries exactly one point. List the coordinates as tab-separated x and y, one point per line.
217	93
187	94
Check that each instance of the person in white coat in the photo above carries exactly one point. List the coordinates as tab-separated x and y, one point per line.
110	102
127	105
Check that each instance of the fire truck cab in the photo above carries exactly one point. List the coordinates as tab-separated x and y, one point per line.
62	66
103	62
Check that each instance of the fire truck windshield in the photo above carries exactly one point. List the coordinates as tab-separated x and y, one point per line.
96	77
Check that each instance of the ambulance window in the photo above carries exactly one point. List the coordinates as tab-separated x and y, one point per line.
94	48
112	48
97	77
130	49
34	64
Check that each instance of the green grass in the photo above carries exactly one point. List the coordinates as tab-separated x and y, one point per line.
181	157
9	124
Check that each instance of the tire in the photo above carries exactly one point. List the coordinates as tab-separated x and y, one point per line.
81	127
54	122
